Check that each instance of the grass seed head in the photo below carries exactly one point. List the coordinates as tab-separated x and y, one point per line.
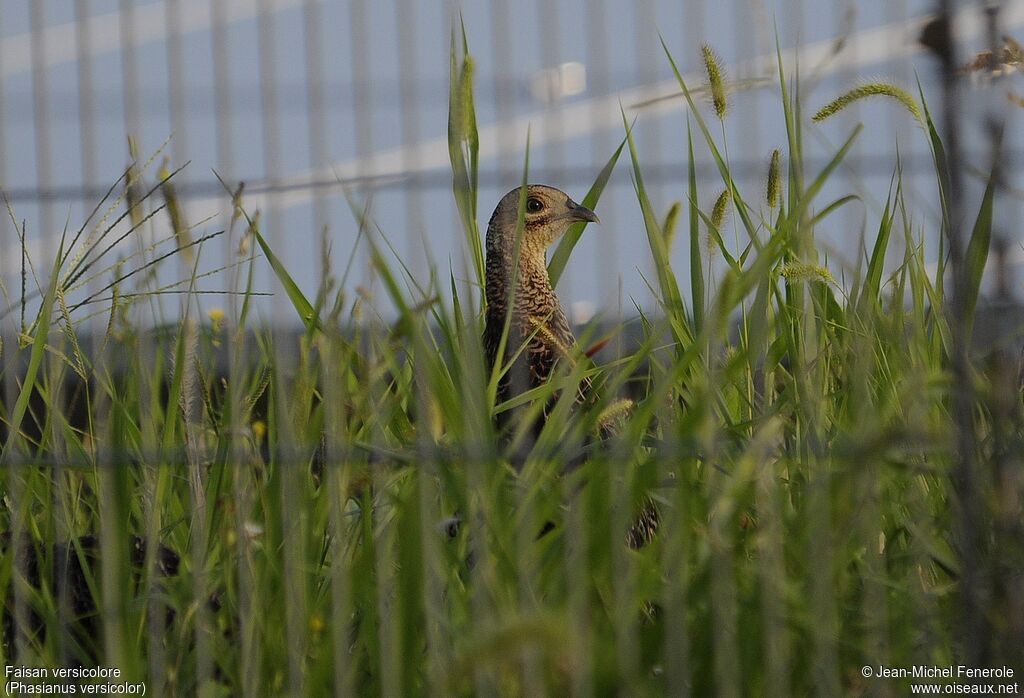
803	271
720	209
615	413
550	338
774	189
669	229
870	89
718	214
716	80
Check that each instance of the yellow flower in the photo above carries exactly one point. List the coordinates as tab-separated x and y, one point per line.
316	624
216	316
259	430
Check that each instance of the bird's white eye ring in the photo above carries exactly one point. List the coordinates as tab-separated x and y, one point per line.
534	205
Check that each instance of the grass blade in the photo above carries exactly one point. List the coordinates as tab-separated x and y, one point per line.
977	254
560	257
696	249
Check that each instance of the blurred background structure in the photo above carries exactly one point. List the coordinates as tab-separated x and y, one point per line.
306	101
842	488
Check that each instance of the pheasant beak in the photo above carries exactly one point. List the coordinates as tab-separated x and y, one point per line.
581	213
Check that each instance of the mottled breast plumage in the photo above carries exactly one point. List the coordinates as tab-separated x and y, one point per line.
537	318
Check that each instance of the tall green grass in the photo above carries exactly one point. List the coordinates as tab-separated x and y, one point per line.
349	524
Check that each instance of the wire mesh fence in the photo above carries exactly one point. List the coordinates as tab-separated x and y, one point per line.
273	417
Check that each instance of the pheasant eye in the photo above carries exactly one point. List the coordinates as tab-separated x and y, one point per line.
534	205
